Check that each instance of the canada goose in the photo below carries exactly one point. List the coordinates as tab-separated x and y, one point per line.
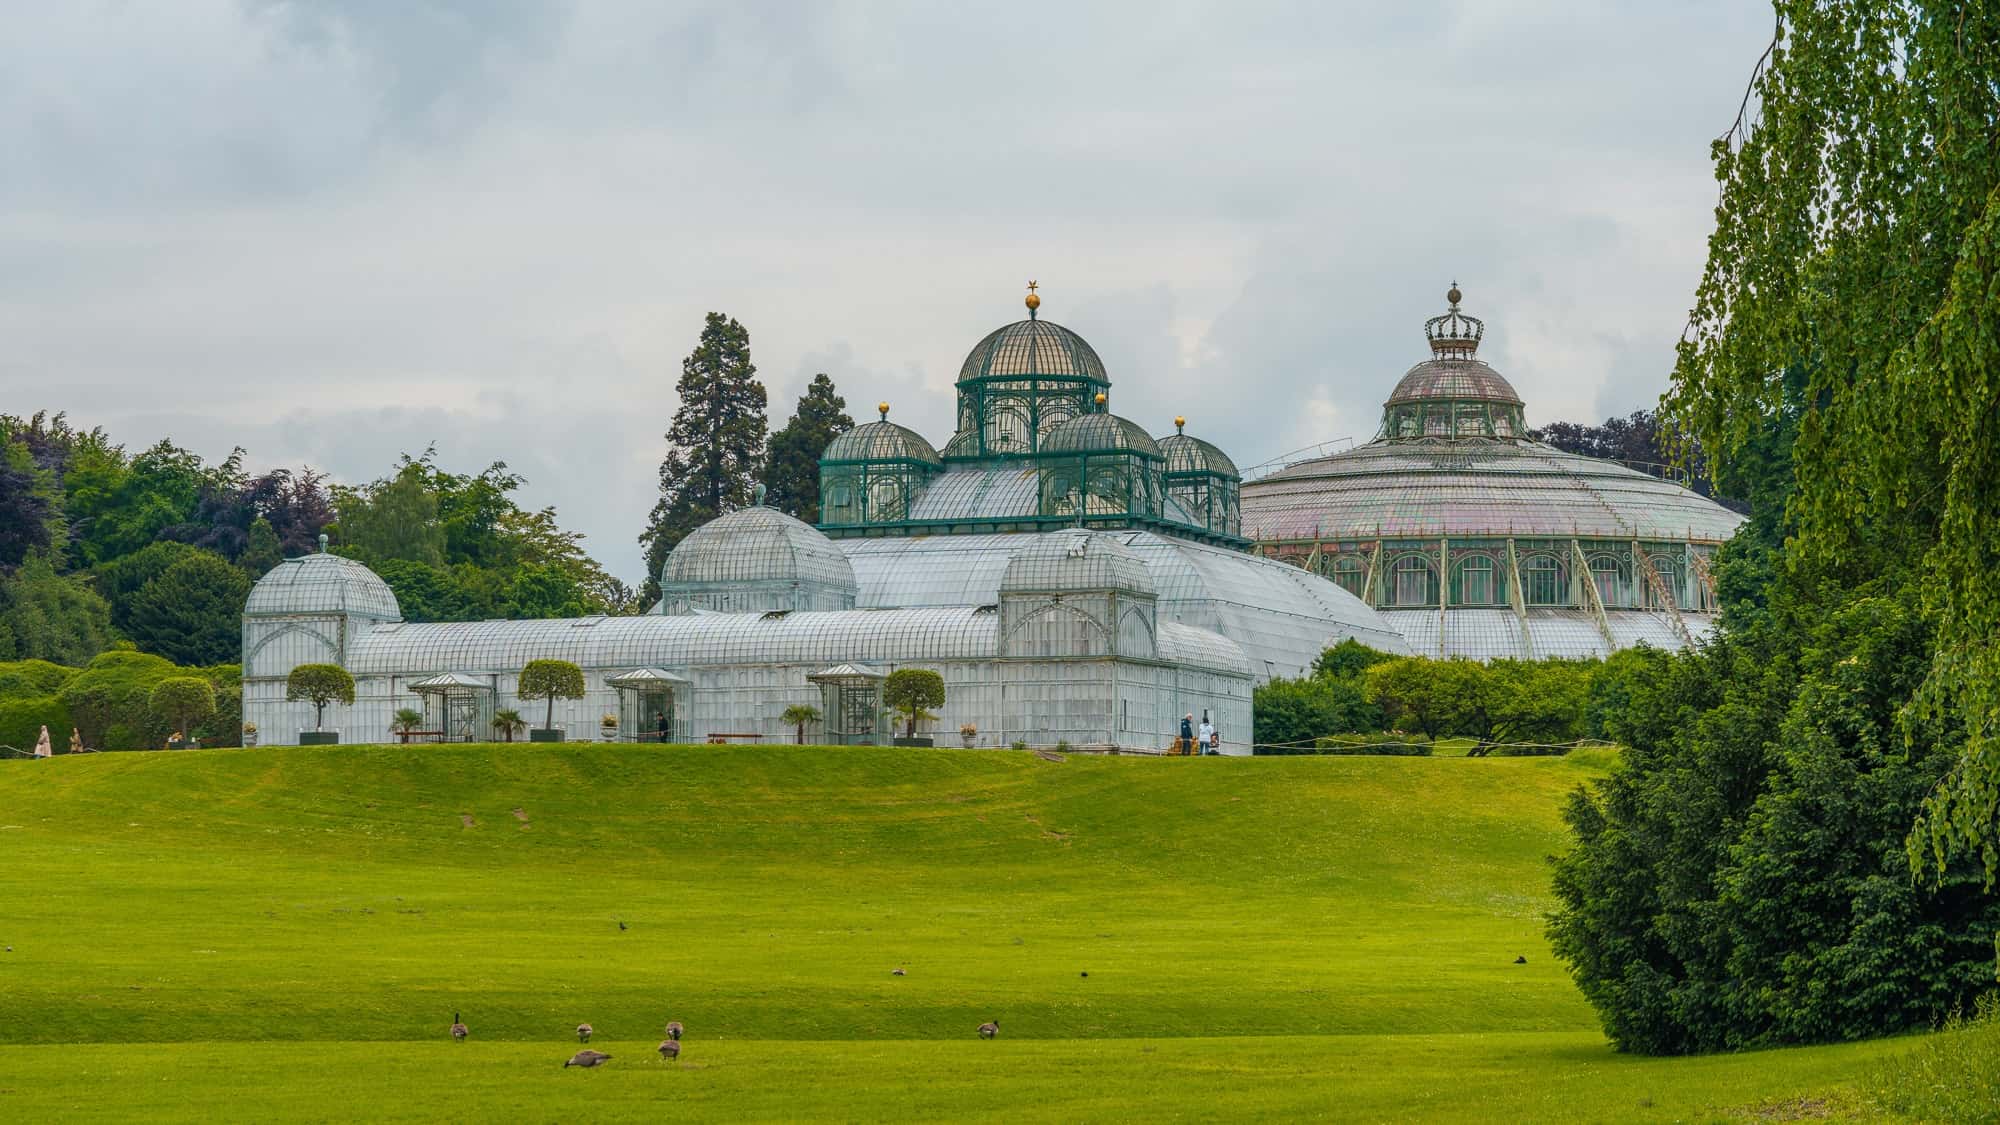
458	1029
989	1029
674	1031
670	1049
587	1058
583	1031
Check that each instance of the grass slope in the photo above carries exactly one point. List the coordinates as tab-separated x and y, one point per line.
262	929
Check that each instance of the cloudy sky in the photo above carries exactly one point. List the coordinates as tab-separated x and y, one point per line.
330	232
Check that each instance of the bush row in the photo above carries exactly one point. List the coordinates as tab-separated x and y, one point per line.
110	702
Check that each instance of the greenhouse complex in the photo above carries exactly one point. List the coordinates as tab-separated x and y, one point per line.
1071	578
1473	540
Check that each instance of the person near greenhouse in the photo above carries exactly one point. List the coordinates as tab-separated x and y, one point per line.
75	741
42	747
660	724
1207	735
1187	733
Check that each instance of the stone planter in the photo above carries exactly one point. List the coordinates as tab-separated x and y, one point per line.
319	738
920	740
545	735
970	740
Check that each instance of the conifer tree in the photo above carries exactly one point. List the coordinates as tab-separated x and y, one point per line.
791	474
715	445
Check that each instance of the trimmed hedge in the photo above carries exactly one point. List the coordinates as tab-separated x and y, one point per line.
22	719
32	679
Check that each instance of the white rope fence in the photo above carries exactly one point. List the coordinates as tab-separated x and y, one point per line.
1479	749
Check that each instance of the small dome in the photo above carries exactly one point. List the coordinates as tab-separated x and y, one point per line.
322	583
881	441
1188	454
1458	379
755	559
1033	347
1076	560
1100	433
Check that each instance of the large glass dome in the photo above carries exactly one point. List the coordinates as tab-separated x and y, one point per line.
755	559
1021	382
1032	347
322	584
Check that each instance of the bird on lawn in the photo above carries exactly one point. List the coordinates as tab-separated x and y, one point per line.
458	1029
670	1049
583	1031
989	1029
1520	960
674	1031
621	925
587	1058
898	972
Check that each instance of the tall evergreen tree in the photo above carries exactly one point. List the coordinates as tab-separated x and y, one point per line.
791	473
193	612
715	445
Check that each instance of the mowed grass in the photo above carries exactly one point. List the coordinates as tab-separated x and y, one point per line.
286	933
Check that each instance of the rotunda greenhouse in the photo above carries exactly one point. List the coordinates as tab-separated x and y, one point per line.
1070	576
1474	540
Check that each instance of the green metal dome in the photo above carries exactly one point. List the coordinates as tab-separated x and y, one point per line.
1101	433
1029	348
1187	454
881	441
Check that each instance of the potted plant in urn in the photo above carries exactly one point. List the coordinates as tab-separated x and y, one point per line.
911	692
319	685
550	680
969	734
607	727
249	734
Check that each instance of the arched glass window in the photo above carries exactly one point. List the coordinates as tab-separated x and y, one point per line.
885	500
1350	573
1608	575
1475	581
1542	580
1415	581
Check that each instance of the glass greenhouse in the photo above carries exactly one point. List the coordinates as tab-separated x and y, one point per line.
1072	578
1473	540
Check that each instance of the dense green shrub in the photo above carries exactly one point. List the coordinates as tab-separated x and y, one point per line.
23	717
192	612
23	679
108	701
1294	712
1386	743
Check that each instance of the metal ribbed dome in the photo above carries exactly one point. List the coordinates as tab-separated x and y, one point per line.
1465	380
1033	347
881	441
1100	433
1076	560
755	546
1189	454
322	583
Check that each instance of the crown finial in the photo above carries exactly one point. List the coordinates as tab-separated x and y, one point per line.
1180	422
884	408
1454	335
1033	302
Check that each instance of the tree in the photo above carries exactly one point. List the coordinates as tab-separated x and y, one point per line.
798	715
392	520
319	685
1410	693
550	680
183	700
193	612
405	721
912	692
49	616
791	472
30	504
1857	243
261	550
1291	712
509	723
1348	658
715	445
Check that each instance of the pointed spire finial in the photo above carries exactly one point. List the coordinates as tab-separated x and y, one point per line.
1033	301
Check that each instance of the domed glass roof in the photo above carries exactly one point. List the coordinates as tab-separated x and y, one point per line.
1076	560
881	441
322	583
1462	379
755	545
1032	347
1100	433
1188	454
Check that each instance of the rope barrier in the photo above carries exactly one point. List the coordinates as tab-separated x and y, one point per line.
1480	748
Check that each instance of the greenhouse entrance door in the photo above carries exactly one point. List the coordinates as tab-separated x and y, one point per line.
646	696
851	711
458	707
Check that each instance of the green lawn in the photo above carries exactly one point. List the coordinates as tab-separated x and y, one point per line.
285	933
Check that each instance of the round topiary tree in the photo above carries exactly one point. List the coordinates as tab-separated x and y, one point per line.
912	692
550	680
319	685
183	701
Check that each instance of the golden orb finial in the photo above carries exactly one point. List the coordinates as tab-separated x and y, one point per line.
1180	422
1033	302
1453	295
884	408
1100	398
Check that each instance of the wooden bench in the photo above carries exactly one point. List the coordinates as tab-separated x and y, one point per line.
720	738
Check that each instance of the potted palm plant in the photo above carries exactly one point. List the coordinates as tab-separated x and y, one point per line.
407	720
798	715
509	723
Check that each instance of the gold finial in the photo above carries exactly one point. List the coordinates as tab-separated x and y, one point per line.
1180	423
884	408
1033	301
1454	295
1100	400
